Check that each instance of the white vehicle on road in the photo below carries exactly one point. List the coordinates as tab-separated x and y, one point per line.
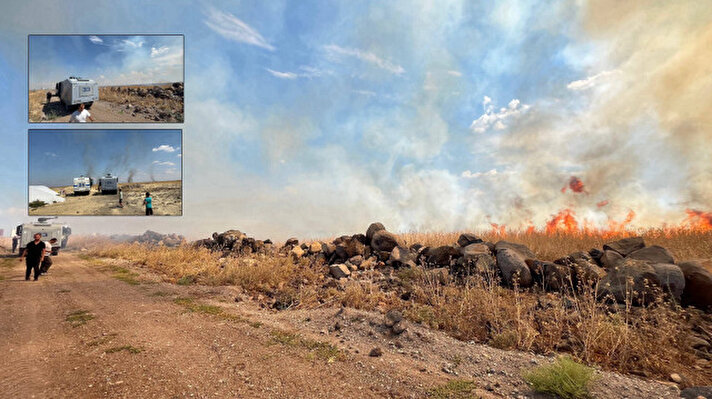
108	184
47	229
74	91
82	185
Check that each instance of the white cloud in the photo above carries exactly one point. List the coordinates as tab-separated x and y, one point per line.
96	39
179	155
590	81
158	51
496	119
164	147
232	28
474	175
51	154
165	163
282	75
365	56
305	72
454	73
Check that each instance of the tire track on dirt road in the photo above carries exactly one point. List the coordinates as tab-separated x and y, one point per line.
141	345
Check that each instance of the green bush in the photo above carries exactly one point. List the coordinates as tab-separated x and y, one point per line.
37	204
564	378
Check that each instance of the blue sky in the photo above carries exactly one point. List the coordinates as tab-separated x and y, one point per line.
57	156
107	59
315	118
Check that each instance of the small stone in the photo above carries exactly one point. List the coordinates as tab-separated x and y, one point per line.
376	352
399	327
674	377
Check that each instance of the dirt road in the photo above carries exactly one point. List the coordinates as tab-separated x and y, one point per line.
101	111
91	330
178	354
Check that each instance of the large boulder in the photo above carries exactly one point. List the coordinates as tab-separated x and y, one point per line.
466	239
348	248
653	254
441	256
671	279
584	270
698	283
372	229
339	271
402	256
481	264
523	250
551	276
630	279
291	242
383	240
513	267
474	249
626	245
610	259
229	238
315	247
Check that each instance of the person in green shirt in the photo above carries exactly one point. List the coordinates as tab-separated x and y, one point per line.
148	201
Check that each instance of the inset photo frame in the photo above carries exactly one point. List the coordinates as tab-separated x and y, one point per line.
106	78
111	172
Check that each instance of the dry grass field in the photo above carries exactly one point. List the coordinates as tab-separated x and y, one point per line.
651	341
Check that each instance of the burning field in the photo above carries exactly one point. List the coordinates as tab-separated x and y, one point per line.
167	201
141	103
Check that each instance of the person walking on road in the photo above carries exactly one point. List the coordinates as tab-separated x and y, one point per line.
47	261
33	255
121	199
15	240
148	202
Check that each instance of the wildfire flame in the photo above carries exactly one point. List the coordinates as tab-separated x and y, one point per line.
699	220
564	221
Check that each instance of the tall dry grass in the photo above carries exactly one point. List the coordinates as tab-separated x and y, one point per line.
650	340
683	243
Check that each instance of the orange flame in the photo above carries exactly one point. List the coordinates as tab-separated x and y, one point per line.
699	220
619	228
498	229
564	221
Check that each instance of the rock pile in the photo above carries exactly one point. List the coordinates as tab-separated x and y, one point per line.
154	238
622	270
236	243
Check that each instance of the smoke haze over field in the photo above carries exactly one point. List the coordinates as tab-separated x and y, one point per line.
438	116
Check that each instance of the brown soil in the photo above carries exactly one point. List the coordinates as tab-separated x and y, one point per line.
140	340
167	201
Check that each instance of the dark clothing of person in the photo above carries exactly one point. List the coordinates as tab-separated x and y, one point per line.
46	264
32	259
32	264
15	240
149	211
